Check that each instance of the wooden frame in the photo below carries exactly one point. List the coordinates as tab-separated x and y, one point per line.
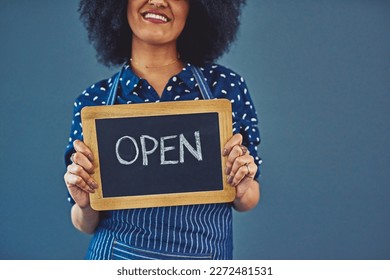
89	116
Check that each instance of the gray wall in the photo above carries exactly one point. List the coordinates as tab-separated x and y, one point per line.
319	74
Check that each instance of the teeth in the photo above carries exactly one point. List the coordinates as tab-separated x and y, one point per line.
154	16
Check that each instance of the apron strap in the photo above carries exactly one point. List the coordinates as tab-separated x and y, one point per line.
204	88
114	88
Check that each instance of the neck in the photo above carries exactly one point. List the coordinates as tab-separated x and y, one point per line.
148	66
153	57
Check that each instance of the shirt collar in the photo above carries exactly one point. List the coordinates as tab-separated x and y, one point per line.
129	80
187	76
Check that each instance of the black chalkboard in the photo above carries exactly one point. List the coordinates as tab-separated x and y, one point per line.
161	154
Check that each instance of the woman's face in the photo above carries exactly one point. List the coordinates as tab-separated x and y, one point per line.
157	21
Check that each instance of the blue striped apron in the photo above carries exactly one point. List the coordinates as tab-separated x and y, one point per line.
178	232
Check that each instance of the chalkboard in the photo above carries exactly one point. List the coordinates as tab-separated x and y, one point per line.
158	154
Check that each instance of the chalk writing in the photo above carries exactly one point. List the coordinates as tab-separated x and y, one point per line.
164	148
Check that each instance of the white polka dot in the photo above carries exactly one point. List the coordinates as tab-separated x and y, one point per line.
128	82
102	89
174	79
232	74
232	84
223	75
177	97
169	88
95	98
232	101
224	91
214	83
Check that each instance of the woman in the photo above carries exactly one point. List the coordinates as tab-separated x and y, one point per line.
159	41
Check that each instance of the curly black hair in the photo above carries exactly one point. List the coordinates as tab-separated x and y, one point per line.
210	29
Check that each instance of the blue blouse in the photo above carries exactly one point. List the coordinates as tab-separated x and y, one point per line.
182	232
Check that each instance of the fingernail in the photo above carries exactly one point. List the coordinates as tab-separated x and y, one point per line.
93	185
230	179
225	152
227	170
90	156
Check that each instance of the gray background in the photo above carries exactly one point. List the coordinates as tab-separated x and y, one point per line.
319	74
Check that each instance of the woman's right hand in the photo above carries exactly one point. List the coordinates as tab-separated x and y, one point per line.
78	175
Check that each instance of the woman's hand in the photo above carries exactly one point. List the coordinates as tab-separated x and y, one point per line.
241	169
78	176
80	184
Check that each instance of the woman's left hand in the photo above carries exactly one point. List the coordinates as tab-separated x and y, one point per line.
241	170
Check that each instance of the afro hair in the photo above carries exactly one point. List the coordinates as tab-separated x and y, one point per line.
210	29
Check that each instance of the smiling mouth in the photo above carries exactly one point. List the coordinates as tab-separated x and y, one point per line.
155	17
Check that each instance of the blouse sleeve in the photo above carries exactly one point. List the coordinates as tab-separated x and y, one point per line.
245	121
75	133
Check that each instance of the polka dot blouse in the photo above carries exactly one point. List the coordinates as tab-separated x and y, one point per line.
223	82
